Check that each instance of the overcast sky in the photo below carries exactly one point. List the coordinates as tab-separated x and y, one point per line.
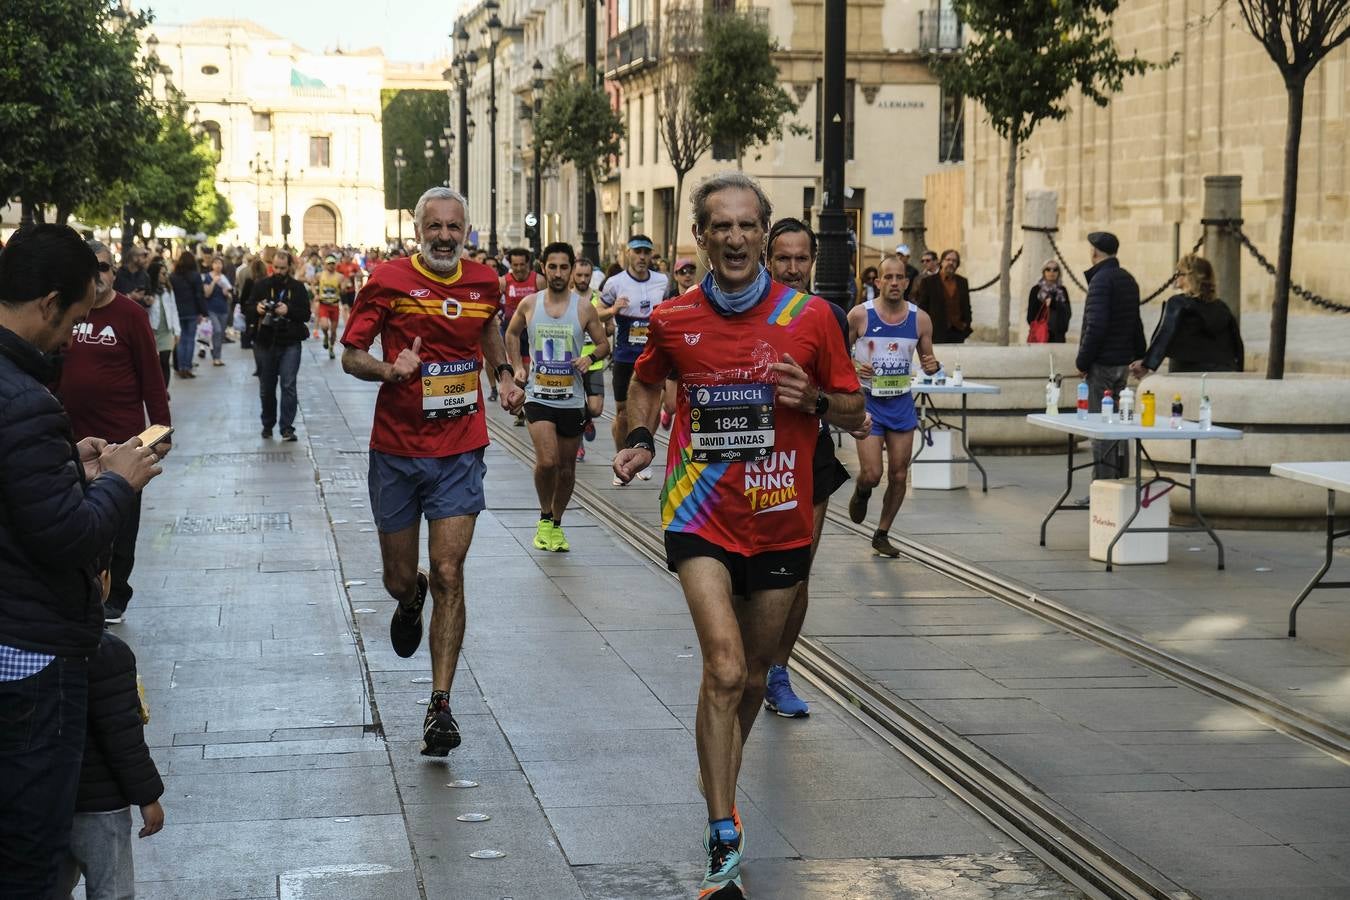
410	32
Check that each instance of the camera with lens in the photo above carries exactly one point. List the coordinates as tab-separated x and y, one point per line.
269	313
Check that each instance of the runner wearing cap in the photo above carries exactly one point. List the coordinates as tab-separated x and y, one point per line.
328	291
631	296
683	278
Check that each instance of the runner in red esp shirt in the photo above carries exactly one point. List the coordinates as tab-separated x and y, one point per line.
517	284
759	365
111	384
435	316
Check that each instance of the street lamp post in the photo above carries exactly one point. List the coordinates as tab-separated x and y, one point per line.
399	164
286	204
259	167
427	154
832	270
492	34
537	94
466	62
590	240
447	142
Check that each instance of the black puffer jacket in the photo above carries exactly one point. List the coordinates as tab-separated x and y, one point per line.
53	525
1112	332
117	770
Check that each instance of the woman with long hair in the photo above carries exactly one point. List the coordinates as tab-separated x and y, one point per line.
163	313
191	300
1197	331
1048	309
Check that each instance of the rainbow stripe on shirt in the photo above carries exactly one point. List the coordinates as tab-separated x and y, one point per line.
690	490
788	307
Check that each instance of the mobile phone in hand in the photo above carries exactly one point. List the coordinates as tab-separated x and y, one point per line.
155	434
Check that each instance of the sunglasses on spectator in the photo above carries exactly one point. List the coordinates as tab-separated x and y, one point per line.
1051	269
685	269
105	267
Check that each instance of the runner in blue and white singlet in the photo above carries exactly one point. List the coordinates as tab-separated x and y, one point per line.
885	333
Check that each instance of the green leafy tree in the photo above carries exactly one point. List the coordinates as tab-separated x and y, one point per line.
576	123
72	88
174	182
1022	60
409	118
735	85
1297	35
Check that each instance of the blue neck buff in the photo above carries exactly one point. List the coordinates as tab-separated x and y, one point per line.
731	303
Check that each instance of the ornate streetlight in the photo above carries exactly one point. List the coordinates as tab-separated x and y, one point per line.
537	95
492	35
399	165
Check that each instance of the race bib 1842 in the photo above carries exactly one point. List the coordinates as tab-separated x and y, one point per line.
731	423
449	389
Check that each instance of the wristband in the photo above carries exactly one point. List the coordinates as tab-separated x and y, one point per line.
640	439
508	367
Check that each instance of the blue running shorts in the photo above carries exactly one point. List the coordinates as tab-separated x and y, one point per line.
892	413
403	488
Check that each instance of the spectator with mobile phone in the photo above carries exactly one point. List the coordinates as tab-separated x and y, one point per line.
61	504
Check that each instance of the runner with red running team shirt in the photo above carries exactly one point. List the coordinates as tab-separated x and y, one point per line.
519	282
435	316
759	364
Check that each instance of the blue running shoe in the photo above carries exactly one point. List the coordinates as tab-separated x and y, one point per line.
722	880
779	698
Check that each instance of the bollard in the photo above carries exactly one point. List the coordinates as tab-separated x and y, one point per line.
1040	210
912	229
1223	249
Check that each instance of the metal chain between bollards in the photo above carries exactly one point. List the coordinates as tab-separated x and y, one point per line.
992	281
1234	226
1199	242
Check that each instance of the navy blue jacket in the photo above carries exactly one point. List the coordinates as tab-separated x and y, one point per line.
53	525
117	770
1112	333
189	295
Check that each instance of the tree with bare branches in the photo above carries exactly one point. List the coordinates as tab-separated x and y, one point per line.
683	129
1297	35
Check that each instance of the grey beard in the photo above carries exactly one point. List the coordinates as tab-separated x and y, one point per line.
435	264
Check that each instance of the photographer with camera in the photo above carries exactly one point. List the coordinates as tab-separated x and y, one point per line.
277	319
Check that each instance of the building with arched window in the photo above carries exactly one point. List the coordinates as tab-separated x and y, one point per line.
299	133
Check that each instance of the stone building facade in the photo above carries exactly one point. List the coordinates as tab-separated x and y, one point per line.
1137	166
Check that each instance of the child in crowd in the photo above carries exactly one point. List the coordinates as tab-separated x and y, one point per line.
117	773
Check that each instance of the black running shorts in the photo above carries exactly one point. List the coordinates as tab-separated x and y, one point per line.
772	570
827	472
569	422
623	374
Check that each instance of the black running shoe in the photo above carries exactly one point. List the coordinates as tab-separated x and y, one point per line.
857	505
883	546
405	626
440	731
288	434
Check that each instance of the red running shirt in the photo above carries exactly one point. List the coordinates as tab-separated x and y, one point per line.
441	412
760	501
517	291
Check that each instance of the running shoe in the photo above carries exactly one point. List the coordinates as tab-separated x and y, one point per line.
722	880
112	615
331	353
325	342
618	482
883	546
492	397
543	535
589	433
645	474
288	434
665	420
405	626
267	433
581	454
440	731
520	419
557	541
857	505
779	697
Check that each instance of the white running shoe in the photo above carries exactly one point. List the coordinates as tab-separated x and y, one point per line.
645	474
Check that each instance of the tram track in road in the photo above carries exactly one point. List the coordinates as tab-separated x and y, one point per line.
976	779
1316	731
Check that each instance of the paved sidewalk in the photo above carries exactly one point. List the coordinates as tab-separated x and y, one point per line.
286	728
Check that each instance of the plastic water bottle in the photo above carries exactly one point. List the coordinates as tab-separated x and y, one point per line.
1206	414
1127	406
958	379
1108	408
1175	421
1082	399
1148	409
1051	397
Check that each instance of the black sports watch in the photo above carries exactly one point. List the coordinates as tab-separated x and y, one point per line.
822	403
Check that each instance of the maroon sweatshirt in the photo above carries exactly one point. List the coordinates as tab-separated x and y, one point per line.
110	378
